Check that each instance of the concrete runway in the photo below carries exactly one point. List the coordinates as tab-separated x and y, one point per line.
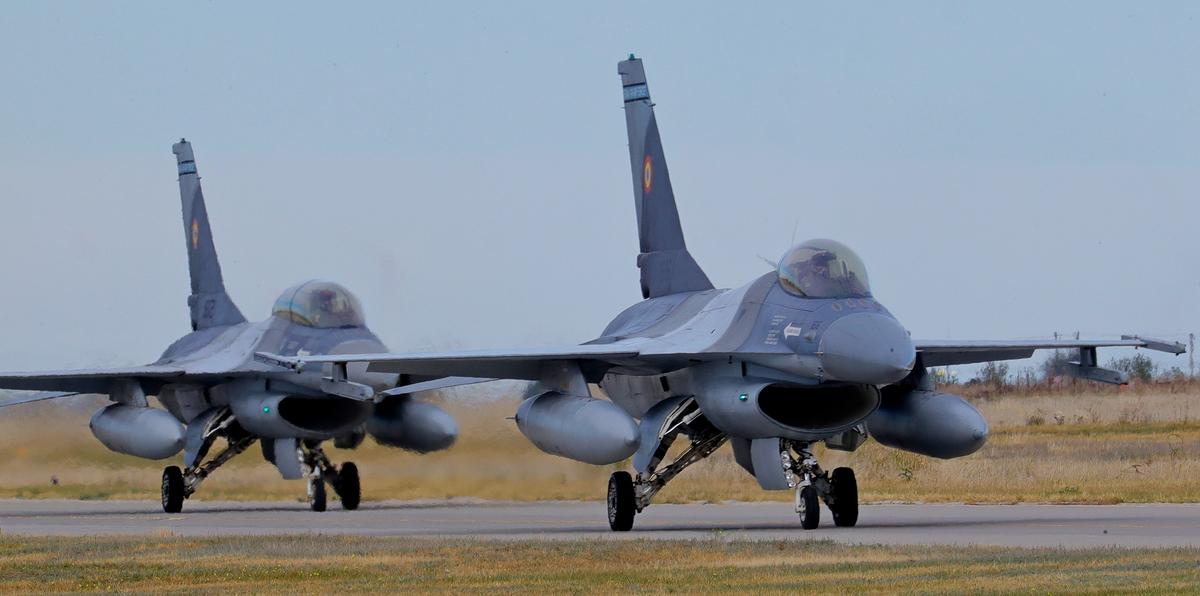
1008	525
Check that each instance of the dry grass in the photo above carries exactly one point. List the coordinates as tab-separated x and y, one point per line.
1069	386
319	564
1066	446
1089	403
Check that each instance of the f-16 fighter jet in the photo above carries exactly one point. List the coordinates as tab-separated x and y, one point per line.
213	388
801	355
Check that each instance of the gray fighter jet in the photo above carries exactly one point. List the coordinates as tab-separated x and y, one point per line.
212	387
801	355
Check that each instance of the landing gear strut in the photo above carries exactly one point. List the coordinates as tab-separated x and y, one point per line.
178	485
839	490
628	496
344	481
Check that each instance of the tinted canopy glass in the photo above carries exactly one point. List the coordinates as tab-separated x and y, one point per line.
320	304
823	269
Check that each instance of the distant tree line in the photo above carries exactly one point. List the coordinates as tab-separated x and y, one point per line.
998	375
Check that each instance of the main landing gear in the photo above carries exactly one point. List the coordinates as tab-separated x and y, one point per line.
179	484
839	490
628	495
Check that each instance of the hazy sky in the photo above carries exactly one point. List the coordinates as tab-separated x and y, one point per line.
1004	169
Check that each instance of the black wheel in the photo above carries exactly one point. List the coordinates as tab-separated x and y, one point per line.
348	487
809	508
316	494
172	489
845	498
621	502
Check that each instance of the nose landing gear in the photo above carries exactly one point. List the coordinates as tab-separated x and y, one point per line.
316	491
344	480
838	490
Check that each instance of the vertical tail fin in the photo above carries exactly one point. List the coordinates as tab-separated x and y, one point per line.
667	266
210	305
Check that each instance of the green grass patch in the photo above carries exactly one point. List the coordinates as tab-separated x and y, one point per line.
325	564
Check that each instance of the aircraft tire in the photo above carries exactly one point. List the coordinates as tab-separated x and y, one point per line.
348	487
845	498
622	504
809	508
316	494
172	489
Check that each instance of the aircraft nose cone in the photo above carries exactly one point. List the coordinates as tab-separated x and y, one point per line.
867	347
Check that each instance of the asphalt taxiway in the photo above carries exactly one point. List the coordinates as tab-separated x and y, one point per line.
1005	525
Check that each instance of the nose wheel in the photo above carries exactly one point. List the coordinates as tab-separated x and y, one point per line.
344	480
808	507
316	492
838	490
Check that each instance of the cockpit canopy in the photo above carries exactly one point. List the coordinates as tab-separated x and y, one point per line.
823	269
320	304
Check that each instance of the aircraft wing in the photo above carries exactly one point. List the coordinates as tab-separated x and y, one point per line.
946	352
33	397
476	364
482	365
435	384
91	380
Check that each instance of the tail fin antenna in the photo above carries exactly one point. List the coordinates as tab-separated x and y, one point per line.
666	265
210	305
